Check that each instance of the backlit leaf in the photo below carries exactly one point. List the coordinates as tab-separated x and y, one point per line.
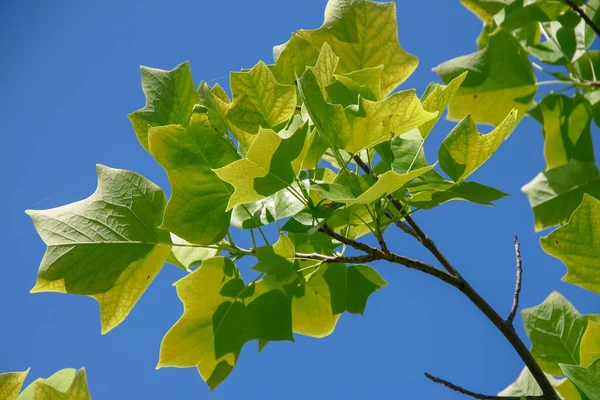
364	34
555	329
436	99
577	244
10	384
107	246
427	195
66	384
170	99
526	385
500	79
465	149
184	254
590	344
585	379
196	210
221	314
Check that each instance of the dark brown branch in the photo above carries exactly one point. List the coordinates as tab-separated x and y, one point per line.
515	303
474	395
584	16
461	284
403	226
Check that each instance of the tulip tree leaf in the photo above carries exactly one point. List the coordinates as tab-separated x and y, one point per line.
292	58
361	126
364	34
107	246
585	379
221	314
555	329
10	384
566	126
66	384
556	193
333	289
577	244
281	204
526	385
196	211
500	79
465	149
387	183
170	99
590	344
274	102
277	260
184	254
426	195
268	167
436	99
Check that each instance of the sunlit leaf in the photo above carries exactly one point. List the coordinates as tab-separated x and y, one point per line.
10	384
196	210
364	34
577	243
590	344
107	246
555	329
427	195
500	79
66	384
526	385
170	99
585	379
184	254
436	99
465	149
221	314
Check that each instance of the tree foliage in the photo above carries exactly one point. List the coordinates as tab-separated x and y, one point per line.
321	145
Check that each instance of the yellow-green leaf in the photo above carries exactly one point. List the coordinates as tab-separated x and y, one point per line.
107	246
170	99
577	244
292	58
196	210
436	99
585	379
500	79
590	344
465	149
268	167
10	384
364	34
220	314
66	384
184	254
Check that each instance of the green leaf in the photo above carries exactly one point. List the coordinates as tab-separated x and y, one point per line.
196	211
577	243
10	384
270	165
555	194
184	254
170	99
107	246
526	385
436	99
333	289
274	102
364	34
585	379
387	183
277	260
66	384
485	9
220	315
566	126
465	149
500	79
292	58
555	329
427	195
361	126
590	344
281	204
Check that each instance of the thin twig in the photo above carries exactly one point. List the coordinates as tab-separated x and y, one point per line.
480	396
583	15
402	225
515	303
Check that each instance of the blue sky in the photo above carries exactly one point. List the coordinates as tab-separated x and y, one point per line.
70	75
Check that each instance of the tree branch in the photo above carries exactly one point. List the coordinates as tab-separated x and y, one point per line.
461	284
515	303
583	15
474	395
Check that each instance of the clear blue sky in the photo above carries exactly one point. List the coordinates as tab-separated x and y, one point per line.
70	75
